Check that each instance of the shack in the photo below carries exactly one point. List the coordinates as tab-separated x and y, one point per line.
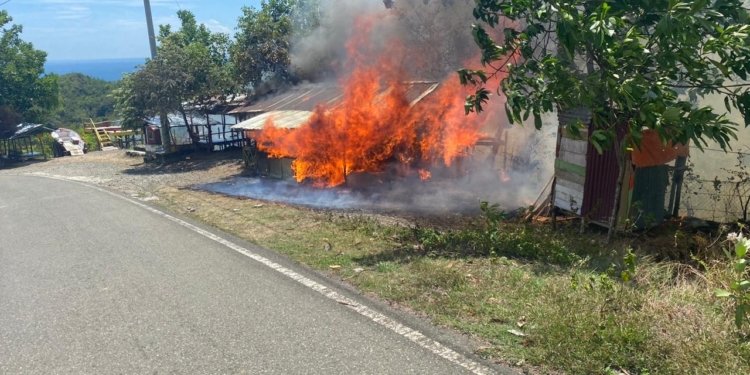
25	142
292	109
586	181
213	132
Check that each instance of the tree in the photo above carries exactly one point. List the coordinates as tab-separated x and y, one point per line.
635	65
82	97
261	53
190	70
26	93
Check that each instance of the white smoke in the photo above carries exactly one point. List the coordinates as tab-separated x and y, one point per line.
437	37
437	33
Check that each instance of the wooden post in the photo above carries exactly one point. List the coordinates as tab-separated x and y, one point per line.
621	157
553	190
210	134
676	192
41	145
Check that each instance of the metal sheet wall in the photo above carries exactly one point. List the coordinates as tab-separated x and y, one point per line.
601	182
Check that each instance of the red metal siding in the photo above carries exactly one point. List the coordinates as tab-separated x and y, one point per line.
601	182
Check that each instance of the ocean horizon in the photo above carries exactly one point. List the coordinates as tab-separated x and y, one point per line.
105	69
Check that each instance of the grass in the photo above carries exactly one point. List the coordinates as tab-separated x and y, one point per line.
558	292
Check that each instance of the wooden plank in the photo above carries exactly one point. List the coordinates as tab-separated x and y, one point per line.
572	177
572	157
568	199
570	145
574	186
563	165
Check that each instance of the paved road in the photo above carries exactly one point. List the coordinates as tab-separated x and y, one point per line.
90	283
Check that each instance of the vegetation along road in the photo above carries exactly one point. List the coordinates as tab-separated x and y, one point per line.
111	287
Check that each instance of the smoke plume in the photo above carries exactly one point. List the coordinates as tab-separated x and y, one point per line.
436	32
422	40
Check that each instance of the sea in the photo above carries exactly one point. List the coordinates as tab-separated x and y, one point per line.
106	69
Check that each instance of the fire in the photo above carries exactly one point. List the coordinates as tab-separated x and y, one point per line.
376	125
425	175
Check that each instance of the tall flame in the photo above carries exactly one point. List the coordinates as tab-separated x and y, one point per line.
375	124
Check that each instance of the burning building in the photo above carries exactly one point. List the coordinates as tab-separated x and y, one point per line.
323	133
376	118
392	115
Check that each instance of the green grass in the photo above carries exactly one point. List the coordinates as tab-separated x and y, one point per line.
561	290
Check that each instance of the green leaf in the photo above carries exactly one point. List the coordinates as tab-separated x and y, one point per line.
740	265
509	113
726	104
740	249
672	114
537	121
721	293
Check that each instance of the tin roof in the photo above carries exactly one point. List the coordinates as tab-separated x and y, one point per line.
26	130
281	119
307	97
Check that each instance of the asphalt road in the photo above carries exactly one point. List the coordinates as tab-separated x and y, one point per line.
91	283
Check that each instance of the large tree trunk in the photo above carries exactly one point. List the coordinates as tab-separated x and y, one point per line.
166	135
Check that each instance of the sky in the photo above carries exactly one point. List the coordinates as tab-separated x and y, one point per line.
110	29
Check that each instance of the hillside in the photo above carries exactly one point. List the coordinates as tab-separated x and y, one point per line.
82	97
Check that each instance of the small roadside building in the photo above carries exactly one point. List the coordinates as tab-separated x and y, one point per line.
585	180
25	143
213	131
290	110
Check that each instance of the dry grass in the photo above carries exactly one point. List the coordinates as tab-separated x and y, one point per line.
573	318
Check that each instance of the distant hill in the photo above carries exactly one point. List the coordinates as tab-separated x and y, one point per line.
107	70
82	97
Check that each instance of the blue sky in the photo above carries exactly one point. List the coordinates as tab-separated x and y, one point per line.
101	29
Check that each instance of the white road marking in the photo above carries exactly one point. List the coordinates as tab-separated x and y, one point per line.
412	334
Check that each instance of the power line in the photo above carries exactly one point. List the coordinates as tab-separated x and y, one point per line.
725	151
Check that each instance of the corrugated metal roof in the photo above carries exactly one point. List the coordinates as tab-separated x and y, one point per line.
25	130
281	119
307	97
175	119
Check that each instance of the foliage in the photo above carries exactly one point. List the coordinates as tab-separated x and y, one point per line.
26	93
490	238
82	97
261	53
739	289
191	66
629	62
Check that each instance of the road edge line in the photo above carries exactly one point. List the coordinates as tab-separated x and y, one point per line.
381	319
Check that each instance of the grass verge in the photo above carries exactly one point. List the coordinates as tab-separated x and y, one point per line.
542	300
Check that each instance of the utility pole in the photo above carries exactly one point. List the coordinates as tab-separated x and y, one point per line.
166	140
150	24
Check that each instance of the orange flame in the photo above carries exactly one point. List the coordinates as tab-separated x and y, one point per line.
376	124
425	175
